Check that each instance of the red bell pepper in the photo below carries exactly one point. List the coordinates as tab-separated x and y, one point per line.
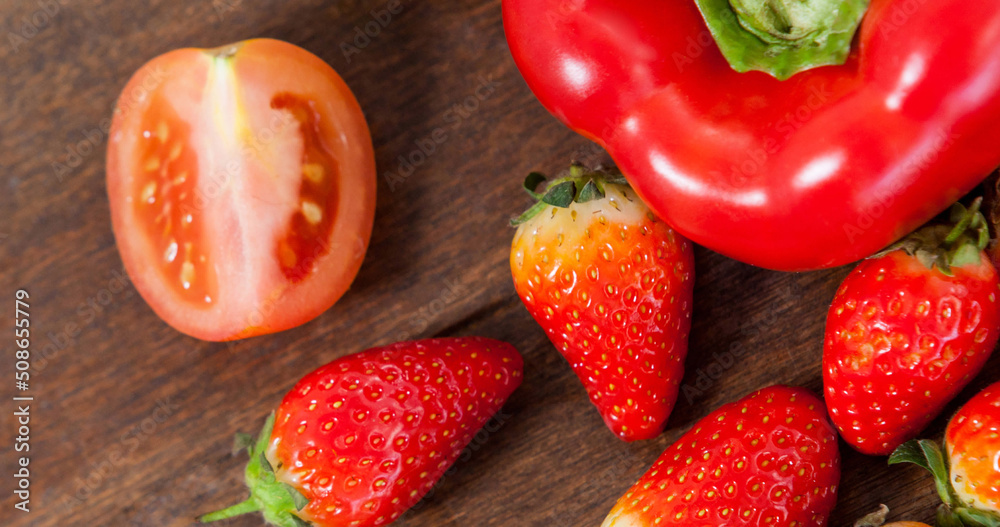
815	171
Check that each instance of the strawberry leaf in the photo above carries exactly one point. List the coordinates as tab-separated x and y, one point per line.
582	185
265	434
956	213
977	518
945	517
276	500
297	497
957	244
590	192
265	465
241	442
939	468
927	454
616	178
560	195
909	452
965	254
528	214
531	184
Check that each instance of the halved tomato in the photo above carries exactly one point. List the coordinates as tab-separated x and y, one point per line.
242	187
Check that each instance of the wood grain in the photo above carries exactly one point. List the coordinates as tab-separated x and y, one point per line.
132	422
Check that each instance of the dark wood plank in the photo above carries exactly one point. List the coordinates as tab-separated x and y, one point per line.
133	421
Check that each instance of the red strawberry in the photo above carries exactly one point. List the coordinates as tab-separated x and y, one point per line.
973	446
611	285
968	481
770	458
908	330
359	441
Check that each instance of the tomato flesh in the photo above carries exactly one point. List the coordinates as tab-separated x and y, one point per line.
310	226
163	197
241	182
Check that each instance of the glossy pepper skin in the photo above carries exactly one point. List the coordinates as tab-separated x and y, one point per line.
819	170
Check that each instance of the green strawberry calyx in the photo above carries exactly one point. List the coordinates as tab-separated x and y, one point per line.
952	512
580	186
955	244
280	503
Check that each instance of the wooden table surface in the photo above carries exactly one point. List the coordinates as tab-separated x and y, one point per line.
132	422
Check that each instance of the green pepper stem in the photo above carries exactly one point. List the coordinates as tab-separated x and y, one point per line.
783	37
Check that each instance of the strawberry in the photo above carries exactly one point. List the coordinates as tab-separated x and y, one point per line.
968	480
611	285
907	330
770	458
359	441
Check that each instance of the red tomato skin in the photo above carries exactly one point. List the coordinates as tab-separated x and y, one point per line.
253	298
817	171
